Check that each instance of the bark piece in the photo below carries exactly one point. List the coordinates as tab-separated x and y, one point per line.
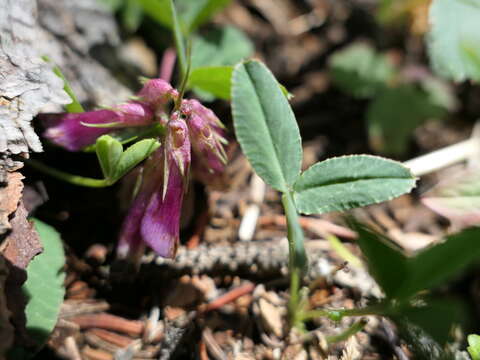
23	243
27	82
9	198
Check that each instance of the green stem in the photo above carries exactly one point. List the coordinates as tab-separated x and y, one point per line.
186	75
72	179
343	251
178	36
337	315
352	330
297	257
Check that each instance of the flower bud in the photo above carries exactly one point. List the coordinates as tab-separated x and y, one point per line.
72	130
157	93
207	137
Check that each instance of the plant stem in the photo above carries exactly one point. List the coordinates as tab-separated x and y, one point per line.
177	33
338	314
352	330
72	179
343	251
183	85
297	257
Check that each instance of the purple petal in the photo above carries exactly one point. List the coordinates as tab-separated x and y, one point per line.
161	222
68	131
130	236
160	225
134	113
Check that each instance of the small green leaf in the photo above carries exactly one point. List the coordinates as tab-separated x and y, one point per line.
216	81
133	156
474	346
386	263
191	14
265	125
218	49
454	46
109	151
395	113
44	285
221	46
346	182
131	134
360	71
74	106
198	12
213	79
157	10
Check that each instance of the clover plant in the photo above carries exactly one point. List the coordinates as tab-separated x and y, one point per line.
268	133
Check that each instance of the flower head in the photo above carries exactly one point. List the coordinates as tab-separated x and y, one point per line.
154	216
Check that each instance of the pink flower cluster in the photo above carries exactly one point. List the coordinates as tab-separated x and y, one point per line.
192	131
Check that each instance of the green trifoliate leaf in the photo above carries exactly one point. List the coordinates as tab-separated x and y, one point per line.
347	182
135	154
474	346
109	151
454	39
360	71
265	125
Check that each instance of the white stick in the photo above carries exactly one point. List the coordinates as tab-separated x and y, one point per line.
250	217
442	158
